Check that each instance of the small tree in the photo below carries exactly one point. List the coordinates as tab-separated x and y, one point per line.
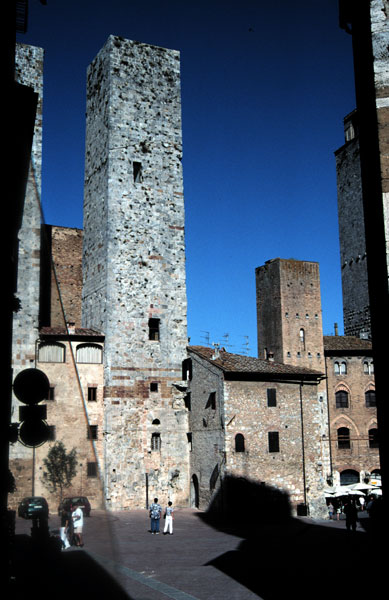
61	468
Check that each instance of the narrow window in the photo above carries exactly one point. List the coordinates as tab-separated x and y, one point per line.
344	438
154	330
343	368
189	438
92	393
211	402
187	369
341	399
274	441
239	443
155	441
188	401
370	399
92	432
154	386
92	469
336	368
137	171
302	337
373	438
52	433
271	397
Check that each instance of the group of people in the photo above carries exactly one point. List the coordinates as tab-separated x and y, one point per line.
155	512
72	522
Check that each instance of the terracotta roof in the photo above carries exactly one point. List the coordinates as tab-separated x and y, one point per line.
345	343
62	331
237	363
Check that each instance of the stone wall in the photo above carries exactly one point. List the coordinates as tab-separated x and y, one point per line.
134	266
29	72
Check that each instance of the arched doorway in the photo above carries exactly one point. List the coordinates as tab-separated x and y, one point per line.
194	492
349	476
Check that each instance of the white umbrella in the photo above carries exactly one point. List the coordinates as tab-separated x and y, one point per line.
355	493
361	486
377	491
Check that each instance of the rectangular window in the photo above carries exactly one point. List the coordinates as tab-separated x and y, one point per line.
271	397
137	171
154	329
188	401
52	433
154	386
274	441
92	432
92	393
92	469
189	438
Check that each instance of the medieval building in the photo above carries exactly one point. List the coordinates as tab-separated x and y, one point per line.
103	314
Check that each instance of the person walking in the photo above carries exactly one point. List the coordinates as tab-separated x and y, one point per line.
169	519
350	511
155	511
64	529
78	523
330	511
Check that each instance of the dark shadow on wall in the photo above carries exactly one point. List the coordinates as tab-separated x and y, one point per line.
282	556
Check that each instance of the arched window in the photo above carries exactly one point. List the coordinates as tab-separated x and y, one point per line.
156	441
343	368
370	399
368	367
239	443
89	353
302	337
344	438
51	353
373	438
156	422
341	399
336	368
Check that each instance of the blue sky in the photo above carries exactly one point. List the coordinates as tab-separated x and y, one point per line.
265	87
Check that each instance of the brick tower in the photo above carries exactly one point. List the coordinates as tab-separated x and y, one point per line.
134	287
289	315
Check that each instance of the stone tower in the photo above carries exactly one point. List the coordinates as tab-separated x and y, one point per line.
352	237
289	315
134	288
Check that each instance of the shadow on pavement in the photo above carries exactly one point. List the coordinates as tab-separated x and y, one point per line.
40	569
283	556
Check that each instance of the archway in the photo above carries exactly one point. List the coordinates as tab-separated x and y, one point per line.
349	476
194	492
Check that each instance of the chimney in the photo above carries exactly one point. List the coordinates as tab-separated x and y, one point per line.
71	328
216	351
336	328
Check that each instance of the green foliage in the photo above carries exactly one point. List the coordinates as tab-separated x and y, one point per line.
60	468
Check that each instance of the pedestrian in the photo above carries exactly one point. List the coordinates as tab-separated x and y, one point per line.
362	502
338	511
169	519
155	511
64	528
78	523
350	511
330	511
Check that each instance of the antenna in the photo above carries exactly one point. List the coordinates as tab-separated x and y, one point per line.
206	337
246	347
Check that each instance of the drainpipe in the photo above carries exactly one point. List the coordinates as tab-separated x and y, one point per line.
302	440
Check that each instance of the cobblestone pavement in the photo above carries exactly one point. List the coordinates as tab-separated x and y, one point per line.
204	562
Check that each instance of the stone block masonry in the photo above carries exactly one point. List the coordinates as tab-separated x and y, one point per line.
134	288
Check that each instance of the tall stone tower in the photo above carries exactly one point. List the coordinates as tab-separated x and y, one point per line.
352	237
289	315
134	287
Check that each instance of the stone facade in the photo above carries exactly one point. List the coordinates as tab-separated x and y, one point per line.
29	72
356	304
236	430
134	286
